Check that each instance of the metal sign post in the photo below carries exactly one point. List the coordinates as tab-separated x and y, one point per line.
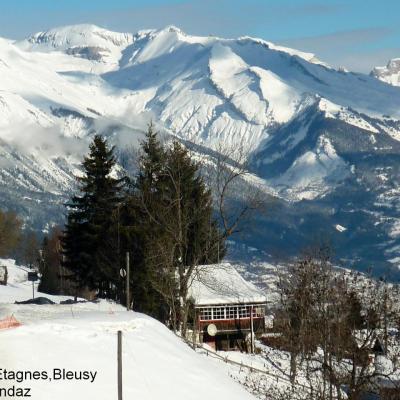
125	273
119	361
33	277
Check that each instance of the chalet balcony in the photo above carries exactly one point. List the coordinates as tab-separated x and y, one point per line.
234	325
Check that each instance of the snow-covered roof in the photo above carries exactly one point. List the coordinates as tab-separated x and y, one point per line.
222	284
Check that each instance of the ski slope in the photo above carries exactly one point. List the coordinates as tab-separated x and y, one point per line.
83	337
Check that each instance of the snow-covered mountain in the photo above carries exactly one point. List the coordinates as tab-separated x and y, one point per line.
390	73
326	141
85	41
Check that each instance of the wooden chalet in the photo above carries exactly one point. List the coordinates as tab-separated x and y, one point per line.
228	310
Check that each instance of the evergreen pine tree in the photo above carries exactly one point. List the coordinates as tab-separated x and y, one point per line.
176	224
10	232
140	228
49	263
28	250
193	230
190	201
90	236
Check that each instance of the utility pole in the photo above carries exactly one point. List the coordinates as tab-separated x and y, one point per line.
119	365
127	282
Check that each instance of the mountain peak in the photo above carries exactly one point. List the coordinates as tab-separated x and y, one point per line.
81	35
172	28
390	73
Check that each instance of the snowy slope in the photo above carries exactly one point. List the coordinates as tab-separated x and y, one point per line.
156	364
84	41
390	73
237	90
18	287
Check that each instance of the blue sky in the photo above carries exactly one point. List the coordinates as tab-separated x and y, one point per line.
357	34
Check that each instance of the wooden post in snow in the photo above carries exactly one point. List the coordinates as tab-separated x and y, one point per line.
119	357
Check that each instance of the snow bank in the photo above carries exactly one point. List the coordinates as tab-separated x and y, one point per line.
83	337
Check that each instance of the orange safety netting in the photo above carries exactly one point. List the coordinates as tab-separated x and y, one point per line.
9	322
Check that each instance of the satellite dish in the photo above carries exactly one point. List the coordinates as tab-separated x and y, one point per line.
122	272
212	330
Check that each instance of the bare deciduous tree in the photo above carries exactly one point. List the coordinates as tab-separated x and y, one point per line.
330	321
238	196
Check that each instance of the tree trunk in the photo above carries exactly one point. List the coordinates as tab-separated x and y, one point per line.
353	392
293	367
184	308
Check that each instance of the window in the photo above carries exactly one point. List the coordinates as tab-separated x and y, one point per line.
244	312
205	314
231	312
219	313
